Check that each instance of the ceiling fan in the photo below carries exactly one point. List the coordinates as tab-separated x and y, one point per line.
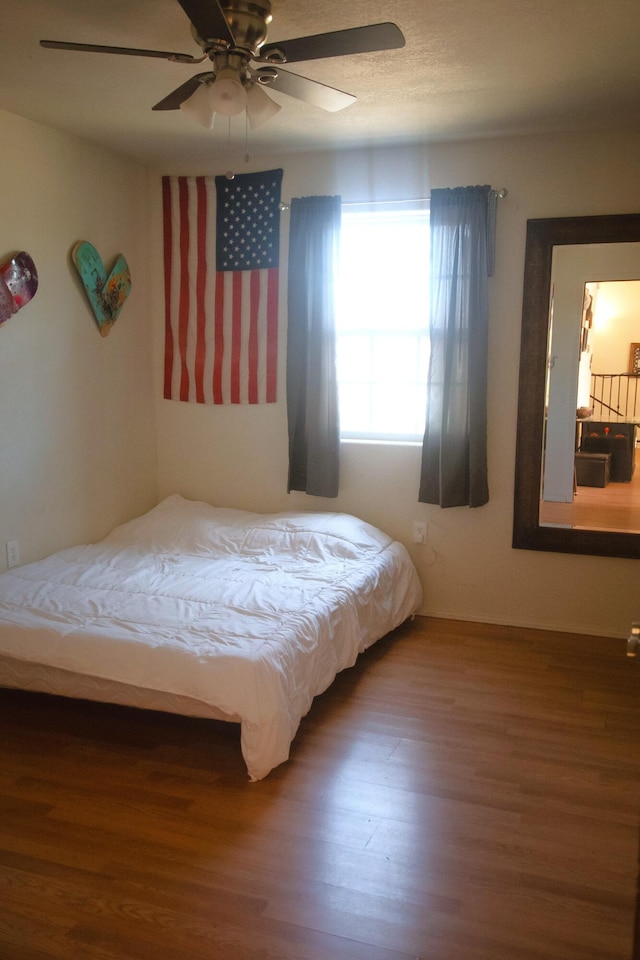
232	35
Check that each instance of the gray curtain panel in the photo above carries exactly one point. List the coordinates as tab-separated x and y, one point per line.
454	451
312	385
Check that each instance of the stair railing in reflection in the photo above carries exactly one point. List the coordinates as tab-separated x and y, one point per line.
616	397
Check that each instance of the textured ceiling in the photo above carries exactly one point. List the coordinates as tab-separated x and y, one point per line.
470	69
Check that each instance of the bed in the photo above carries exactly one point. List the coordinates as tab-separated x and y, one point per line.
208	612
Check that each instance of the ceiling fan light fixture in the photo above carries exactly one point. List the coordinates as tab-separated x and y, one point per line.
200	106
260	106
228	96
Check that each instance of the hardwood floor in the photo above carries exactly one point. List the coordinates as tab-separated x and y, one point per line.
465	792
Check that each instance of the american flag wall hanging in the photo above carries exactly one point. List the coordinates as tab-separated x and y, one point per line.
221	260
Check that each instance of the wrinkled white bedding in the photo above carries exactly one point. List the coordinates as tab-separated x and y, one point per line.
250	614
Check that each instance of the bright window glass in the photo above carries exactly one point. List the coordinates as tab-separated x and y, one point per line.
382	334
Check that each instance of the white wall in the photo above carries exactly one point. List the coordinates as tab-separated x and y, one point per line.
616	325
77	432
237	456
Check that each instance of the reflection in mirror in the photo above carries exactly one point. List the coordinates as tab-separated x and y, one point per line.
576	489
592	397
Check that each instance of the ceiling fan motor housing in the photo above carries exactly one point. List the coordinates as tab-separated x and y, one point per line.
248	21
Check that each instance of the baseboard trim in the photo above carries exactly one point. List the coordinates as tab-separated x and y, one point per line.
582	629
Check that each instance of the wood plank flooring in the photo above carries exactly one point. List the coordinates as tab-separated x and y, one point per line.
465	792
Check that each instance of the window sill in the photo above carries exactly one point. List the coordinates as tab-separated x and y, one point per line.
372	441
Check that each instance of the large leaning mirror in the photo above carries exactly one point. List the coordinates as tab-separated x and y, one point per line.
576	487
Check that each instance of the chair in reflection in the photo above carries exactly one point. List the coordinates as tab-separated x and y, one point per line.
617	439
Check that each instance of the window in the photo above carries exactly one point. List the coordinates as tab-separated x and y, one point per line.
382	313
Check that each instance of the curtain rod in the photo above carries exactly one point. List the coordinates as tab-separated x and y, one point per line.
497	194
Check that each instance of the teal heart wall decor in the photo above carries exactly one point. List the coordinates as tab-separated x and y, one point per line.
106	293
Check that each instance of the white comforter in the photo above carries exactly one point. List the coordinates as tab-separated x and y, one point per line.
253	614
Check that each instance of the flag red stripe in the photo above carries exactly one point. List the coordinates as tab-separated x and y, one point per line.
236	335
168	333
201	281
272	335
218	339
253	350
183	308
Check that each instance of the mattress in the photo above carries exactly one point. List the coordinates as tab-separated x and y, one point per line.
210	612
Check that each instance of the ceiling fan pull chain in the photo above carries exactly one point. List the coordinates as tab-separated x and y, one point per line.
230	175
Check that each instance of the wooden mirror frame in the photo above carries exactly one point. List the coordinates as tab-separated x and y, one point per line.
542	237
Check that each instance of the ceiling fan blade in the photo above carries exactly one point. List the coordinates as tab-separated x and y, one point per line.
318	94
340	43
207	16
127	51
173	100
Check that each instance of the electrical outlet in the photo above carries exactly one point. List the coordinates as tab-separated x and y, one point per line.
13	553
419	531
